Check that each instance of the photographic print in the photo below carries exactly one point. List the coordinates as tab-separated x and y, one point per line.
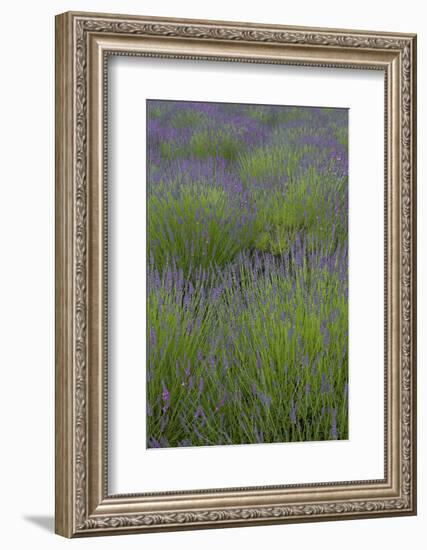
247	274
202	274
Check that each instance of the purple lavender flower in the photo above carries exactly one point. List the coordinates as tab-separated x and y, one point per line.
165	397
216	293
334	431
153	443
200	413
259	437
153	337
325	385
188	370
265	399
293	413
201	385
221	402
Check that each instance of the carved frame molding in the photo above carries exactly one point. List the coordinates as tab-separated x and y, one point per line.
83	43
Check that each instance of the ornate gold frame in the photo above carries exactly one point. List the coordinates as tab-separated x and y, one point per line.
83	42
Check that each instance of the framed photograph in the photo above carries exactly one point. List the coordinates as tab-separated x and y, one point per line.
235	274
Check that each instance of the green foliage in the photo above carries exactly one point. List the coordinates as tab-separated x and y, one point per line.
303	204
246	365
204	144
187	118
263	114
271	162
211	144
341	135
156	111
277	117
194	225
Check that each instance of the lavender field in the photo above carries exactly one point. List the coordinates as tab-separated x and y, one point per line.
247	274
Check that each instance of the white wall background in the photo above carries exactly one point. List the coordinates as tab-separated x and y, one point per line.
27	274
